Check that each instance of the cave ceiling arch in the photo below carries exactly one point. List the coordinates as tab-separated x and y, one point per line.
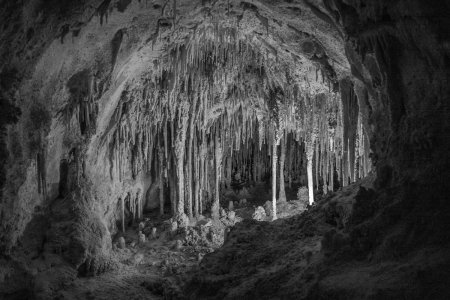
120	73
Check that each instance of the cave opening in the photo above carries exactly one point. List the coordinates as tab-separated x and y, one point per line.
224	149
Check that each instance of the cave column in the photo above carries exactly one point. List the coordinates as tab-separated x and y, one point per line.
218	163
282	194
276	141
309	167
122	202
196	176
161	183
180	154
188	174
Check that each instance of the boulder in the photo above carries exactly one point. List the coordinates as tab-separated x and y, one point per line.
222	213
141	226
259	214
138	258
231	215
303	195
121	243
178	245
268	208
173	226
153	235
182	220
141	237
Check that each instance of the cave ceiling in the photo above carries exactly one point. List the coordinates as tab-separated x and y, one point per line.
110	83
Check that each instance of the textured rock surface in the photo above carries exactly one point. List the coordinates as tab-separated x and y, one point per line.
330	252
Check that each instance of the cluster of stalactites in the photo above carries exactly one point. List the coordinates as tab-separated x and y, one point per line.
133	203
216	95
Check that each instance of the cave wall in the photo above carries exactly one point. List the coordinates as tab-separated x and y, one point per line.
399	52
65	99
400	60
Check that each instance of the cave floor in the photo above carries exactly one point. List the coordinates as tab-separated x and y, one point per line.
147	270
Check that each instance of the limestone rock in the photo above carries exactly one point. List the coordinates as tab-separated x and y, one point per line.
182	220
302	195
173	226
222	212
153	235
121	243
141	226
178	245
199	256
259	214
138	258
268	208
231	215
141	238
243	193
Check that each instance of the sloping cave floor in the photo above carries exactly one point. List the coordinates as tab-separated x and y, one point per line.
283	259
163	263
302	255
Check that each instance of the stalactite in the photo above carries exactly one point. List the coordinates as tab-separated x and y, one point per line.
41	173
211	116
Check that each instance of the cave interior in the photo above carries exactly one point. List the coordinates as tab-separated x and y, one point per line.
224	149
